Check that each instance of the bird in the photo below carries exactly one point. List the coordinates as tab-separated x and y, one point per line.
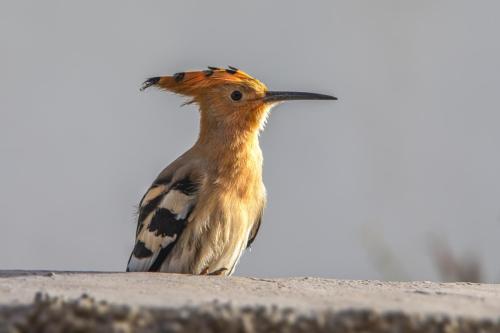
205	208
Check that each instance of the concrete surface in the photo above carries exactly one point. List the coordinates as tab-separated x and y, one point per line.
182	303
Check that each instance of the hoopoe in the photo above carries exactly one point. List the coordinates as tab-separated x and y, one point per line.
206	207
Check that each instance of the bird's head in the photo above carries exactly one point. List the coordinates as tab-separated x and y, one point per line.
228	96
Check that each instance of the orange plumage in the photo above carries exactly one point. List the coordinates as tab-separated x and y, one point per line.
206	207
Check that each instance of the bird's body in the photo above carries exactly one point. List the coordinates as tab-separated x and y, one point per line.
205	208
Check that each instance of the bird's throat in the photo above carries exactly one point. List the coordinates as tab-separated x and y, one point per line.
230	144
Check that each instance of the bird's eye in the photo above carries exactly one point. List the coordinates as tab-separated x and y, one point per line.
236	95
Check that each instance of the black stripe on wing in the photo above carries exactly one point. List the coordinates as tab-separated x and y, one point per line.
164	223
155	267
186	186
141	251
146	210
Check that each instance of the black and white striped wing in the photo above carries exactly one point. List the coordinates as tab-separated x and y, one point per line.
163	214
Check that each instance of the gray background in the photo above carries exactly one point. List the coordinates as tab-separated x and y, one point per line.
357	188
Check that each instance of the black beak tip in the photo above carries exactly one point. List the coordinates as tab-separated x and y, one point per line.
150	82
327	97
323	97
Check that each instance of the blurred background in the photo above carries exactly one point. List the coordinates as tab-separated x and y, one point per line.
397	180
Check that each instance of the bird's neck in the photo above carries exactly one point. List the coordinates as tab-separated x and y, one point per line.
232	146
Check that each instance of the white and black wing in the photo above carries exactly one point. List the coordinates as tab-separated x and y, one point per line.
163	215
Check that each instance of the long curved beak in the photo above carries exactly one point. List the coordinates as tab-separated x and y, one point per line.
279	96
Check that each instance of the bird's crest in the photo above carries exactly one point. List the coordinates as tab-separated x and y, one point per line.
191	83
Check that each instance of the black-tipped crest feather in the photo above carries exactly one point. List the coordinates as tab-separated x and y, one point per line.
150	82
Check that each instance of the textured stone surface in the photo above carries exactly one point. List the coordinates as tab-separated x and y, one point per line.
151	302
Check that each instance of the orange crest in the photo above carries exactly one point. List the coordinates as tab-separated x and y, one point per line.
193	83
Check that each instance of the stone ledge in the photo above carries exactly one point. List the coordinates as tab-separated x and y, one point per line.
154	302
